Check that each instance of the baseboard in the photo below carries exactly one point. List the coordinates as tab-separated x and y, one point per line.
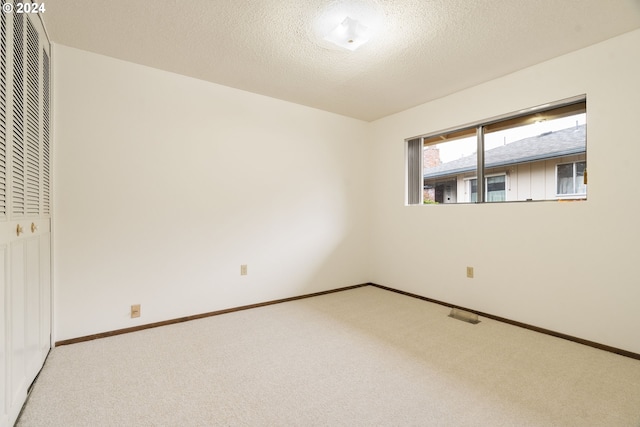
199	316
278	301
519	324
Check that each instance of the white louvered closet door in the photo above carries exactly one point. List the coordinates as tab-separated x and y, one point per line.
25	194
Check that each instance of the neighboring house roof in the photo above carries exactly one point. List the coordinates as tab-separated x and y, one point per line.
564	142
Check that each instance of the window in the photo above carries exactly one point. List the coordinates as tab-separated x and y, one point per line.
443	161
494	187
570	178
534	154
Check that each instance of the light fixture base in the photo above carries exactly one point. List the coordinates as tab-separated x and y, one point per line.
350	34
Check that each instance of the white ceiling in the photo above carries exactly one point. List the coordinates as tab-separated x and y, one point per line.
422	49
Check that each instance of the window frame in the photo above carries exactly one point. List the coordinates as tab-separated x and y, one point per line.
549	111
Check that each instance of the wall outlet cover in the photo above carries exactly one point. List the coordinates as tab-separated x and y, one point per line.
135	310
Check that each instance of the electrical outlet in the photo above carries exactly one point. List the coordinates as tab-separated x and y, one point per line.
470	272
243	270
135	310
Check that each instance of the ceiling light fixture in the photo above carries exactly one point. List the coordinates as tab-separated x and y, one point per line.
350	34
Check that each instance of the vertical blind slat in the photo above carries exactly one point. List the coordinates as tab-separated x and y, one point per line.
414	171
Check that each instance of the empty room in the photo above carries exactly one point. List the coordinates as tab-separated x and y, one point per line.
349	212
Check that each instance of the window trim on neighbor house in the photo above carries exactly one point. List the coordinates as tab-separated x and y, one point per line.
575	194
414	146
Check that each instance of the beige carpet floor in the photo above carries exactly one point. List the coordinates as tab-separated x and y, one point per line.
362	357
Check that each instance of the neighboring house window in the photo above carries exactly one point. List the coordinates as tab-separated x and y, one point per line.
514	155
570	179
495	188
473	190
496	191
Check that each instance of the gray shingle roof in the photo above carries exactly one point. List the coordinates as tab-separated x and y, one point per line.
548	145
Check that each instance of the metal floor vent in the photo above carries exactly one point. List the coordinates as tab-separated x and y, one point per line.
465	316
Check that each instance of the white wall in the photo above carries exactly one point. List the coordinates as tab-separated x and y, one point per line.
567	267
165	185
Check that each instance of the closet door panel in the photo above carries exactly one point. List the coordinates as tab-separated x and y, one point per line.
32	307
18	369
45	295
3	338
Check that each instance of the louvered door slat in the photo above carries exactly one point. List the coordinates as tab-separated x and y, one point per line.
32	158
3	116
46	174
17	152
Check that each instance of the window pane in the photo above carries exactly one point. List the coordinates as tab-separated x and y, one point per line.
446	164
529	153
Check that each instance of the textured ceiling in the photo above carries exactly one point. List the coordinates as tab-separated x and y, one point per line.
421	49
